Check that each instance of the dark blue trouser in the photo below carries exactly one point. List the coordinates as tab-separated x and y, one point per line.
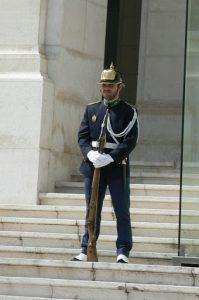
120	195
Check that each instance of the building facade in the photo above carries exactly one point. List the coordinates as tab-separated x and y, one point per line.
52	53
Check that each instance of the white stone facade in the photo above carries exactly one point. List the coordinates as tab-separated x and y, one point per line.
75	41
22	86
160	82
51	55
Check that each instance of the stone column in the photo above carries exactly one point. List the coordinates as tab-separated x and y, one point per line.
22	99
51	57
75	41
160	80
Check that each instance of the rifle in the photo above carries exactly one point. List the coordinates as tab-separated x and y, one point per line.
91	249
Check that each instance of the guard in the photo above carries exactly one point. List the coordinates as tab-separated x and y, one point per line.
121	138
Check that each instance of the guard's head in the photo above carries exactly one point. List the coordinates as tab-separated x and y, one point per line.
111	76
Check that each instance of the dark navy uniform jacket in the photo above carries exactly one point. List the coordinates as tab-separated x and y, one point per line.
90	128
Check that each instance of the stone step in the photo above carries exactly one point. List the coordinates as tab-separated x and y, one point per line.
148	177
136	189
158	167
100	271
67	254
58	240
78	212
189	250
6	297
191	167
148	172
154	177
77	226
136	201
94	290
153	202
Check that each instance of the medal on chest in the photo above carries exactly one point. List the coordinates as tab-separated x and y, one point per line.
94	118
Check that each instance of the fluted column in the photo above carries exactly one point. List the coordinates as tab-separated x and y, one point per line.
22	90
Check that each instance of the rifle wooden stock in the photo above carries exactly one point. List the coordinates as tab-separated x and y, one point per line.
91	250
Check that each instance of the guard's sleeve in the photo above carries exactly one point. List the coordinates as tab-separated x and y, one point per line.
128	143
84	138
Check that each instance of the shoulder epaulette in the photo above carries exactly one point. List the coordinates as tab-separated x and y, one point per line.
131	105
94	103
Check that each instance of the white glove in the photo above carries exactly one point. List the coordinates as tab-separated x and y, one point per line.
103	160
93	155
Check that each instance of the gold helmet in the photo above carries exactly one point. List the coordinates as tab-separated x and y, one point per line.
109	76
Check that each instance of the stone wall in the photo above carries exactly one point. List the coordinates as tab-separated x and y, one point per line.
74	46
21	94
51	54
160	82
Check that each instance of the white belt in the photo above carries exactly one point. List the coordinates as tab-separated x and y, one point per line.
95	144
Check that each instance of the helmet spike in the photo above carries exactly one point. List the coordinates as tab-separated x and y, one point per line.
110	75
112	66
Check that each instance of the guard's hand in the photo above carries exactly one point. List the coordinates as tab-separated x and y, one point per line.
93	155
103	160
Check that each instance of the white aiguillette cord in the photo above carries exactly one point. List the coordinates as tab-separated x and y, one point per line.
124	132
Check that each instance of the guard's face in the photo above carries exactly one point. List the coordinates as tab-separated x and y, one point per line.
110	91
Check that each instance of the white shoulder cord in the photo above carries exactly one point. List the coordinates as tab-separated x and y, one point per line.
125	131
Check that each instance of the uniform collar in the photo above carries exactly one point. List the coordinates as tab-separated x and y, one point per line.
111	103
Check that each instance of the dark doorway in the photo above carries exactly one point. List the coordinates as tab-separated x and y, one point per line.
122	42
112	28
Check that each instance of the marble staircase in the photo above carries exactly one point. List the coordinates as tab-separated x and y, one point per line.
38	242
